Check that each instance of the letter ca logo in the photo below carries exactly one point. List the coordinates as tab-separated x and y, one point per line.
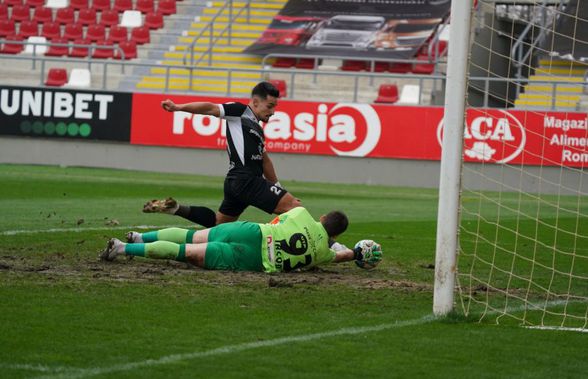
489	137
372	124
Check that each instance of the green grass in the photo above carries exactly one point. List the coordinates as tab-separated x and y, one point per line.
65	314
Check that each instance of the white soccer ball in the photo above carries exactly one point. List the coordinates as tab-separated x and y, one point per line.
372	254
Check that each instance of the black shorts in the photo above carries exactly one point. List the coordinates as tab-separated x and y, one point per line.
253	190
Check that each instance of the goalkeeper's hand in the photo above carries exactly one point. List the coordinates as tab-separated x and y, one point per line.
368	251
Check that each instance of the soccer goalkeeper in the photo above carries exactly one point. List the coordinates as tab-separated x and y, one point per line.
292	241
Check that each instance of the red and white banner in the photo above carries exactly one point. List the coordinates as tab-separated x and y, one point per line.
376	131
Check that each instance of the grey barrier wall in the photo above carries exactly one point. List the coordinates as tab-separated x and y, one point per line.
328	169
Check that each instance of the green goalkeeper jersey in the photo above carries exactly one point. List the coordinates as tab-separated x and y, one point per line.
294	240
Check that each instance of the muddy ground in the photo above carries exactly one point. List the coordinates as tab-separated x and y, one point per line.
58	266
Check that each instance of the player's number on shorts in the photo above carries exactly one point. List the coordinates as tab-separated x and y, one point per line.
275	189
297	245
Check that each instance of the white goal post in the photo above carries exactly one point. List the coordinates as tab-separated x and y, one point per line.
451	156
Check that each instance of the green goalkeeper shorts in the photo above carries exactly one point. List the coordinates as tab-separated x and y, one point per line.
234	246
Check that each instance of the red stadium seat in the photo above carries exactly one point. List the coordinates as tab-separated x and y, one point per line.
35	3
423	68
109	18
118	34
79	4
381	66
400	68
51	30
7	28
3	12
12	48
140	35
154	20
21	13
87	16
73	32
284	62
57	51
56	77
79	51
96	33
65	16
103	50
166	7
43	14
387	94
281	86
28	29
129	48
13	2
144	6
350	65
122	5
305	63
101	5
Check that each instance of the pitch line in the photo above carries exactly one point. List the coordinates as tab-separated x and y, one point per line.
81	373
74	373
229	349
558	328
86	229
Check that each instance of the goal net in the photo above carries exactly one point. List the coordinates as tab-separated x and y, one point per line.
523	235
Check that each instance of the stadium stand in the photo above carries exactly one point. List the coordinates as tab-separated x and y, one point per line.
168	30
227	52
539	93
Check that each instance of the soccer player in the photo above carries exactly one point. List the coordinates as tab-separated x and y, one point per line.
251	179
293	240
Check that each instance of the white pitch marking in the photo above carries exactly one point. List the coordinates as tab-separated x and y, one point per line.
66	230
81	373
40	368
559	328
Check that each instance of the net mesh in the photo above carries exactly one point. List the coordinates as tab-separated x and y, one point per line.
523	254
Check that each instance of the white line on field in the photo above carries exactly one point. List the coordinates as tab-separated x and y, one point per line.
81	373
86	229
86	372
559	328
40	368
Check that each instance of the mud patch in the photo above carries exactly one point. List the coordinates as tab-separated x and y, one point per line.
55	265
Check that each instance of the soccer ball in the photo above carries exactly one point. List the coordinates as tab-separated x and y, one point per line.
372	254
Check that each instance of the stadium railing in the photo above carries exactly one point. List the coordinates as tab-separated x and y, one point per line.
119	65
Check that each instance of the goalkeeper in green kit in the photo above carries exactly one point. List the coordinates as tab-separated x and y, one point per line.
292	241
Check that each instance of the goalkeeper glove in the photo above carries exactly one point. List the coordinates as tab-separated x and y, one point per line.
367	251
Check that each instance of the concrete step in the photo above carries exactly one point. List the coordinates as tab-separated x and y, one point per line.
198	25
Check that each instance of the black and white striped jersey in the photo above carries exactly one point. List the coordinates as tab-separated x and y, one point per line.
245	140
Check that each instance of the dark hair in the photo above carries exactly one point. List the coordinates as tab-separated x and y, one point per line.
265	89
335	223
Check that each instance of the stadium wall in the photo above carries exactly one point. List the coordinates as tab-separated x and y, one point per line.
309	141
314	168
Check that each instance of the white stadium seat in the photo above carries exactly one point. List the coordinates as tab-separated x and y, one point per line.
57	4
410	94
79	78
30	47
131	19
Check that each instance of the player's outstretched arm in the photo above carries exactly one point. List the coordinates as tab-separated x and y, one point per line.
204	108
345	255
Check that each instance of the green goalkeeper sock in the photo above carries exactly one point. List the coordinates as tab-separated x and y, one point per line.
157	250
176	235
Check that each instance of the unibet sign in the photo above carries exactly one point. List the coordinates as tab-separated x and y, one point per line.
65	113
